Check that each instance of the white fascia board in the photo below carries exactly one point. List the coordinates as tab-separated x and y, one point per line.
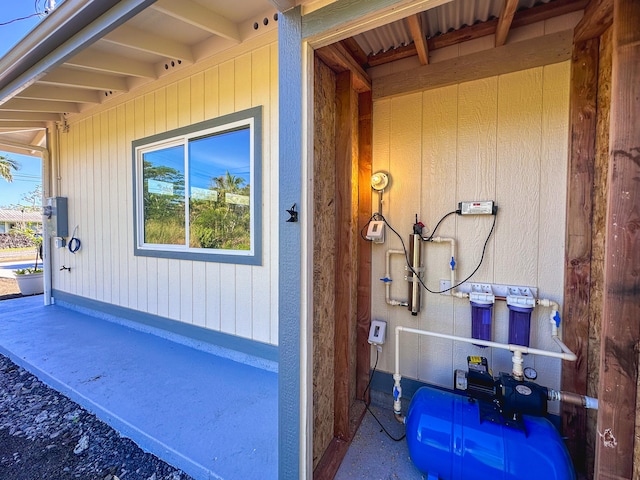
113	18
41	34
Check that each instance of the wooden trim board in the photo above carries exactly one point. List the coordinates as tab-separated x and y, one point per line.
545	50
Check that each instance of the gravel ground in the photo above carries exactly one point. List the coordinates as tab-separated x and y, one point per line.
8	289
44	435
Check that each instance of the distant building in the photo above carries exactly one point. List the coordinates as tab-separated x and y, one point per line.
10	219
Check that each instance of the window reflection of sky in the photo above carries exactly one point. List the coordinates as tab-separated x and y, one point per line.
214	156
171	157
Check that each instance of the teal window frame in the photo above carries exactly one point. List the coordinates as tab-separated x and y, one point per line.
251	118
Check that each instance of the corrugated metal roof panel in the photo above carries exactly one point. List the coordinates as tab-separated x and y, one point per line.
436	21
19	216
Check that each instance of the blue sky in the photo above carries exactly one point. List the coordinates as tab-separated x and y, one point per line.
28	177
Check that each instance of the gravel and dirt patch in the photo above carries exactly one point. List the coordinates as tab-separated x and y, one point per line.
8	289
45	435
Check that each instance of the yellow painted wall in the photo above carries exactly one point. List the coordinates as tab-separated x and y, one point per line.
96	176
502	138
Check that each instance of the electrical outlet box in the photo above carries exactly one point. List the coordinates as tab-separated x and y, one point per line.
377	332
476	208
375	232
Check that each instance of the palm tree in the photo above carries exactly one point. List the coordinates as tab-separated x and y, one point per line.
6	166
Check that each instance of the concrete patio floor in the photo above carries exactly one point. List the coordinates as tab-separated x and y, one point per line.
211	416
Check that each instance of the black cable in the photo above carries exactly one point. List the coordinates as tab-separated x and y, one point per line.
74	243
37	14
366	226
375	366
437	225
406	255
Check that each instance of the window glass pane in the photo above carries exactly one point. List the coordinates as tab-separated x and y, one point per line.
220	191
163	176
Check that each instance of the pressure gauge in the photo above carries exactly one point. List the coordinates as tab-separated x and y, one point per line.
530	373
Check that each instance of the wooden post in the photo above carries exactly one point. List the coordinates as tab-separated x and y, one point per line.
582	128
344	273
621	311
365	140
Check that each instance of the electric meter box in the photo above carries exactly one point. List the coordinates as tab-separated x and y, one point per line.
57	217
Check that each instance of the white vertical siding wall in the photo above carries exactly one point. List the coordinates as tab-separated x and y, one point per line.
500	138
96	171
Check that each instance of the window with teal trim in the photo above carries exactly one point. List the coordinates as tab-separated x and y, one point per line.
198	191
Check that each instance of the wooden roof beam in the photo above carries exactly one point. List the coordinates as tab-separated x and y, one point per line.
14	126
355	50
82	79
504	21
37	106
338	58
598	16
200	17
27	117
60	94
150	43
520	19
552	48
419	37
99	61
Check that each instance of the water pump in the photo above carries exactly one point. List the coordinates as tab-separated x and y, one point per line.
507	398
485	428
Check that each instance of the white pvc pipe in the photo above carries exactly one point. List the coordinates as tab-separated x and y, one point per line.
517	350
452	242
555	308
387	285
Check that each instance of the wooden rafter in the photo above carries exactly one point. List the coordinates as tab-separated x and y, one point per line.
598	16
419	38
338	58
552	48
505	20
200	17
355	50
520	19
100	61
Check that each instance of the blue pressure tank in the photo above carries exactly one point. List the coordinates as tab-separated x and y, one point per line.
450	438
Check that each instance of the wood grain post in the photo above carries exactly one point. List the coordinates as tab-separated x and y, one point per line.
621	311
345	275
365	140
580	191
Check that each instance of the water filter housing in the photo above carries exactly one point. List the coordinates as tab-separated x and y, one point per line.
481	320
449	438
519	325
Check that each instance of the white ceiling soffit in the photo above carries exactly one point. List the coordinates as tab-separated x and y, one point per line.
164	36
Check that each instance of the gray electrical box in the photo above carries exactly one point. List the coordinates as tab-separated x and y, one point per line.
57	217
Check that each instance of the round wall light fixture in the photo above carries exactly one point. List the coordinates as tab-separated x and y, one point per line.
379	181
